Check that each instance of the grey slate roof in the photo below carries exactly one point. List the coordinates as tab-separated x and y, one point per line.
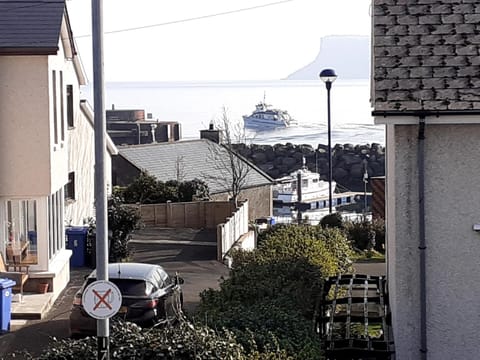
193	158
30	26
426	51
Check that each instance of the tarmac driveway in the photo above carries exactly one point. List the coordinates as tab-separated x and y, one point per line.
191	253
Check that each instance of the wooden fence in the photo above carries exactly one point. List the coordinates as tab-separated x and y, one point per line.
195	215
231	224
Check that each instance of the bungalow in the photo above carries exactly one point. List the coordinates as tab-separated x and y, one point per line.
47	138
425	89
187	160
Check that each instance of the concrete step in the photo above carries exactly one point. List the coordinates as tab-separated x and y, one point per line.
31	306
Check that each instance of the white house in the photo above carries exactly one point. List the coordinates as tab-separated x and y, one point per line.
46	137
425	89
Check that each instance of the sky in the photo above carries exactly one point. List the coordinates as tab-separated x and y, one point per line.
213	40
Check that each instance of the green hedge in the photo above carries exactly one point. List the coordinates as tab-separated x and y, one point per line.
273	292
181	341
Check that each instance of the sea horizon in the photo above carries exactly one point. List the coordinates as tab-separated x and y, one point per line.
195	104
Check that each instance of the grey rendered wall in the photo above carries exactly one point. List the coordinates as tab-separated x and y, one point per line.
452	206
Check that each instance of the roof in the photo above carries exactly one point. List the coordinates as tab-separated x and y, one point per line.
89	114
426	55
194	159
30	27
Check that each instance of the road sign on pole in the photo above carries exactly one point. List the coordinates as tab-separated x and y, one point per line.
102	299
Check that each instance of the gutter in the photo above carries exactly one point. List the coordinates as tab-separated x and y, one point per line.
425	113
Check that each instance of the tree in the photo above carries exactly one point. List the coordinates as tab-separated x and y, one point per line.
233	167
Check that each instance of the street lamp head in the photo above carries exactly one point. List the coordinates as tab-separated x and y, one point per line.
328	75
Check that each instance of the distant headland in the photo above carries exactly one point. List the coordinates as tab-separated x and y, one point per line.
348	55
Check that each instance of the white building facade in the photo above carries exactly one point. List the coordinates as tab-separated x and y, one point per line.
47	157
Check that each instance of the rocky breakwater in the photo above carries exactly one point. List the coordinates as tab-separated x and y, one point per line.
349	161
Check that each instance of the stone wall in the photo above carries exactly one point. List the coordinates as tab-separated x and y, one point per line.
348	161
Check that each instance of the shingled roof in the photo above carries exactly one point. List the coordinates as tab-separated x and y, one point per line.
426	55
30	27
194	159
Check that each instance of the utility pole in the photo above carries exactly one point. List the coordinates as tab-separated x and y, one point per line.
103	347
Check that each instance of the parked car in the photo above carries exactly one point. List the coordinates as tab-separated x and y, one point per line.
149	295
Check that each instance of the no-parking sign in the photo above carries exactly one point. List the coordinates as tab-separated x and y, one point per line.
102	299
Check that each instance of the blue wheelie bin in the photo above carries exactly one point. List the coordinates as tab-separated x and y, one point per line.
77	242
5	303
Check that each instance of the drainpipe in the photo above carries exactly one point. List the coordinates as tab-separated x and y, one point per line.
422	243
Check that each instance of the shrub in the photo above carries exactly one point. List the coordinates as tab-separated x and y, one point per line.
304	240
365	234
272	292
122	220
182	341
332	220
146	189
269	300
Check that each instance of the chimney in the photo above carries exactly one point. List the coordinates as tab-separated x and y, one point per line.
211	134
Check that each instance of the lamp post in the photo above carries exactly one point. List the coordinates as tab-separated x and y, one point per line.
328	76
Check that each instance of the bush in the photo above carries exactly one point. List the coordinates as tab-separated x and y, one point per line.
366	235
332	220
146	189
269	301
305	240
272	292
182	341
122	220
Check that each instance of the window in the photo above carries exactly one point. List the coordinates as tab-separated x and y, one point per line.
62	108
55	119
70	106
70	187
56	238
21	231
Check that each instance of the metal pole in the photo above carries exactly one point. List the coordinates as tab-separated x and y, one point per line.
103	348
328	84
365	177
299	197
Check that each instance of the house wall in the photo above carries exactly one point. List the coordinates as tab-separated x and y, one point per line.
260	201
81	161
123	172
59	155
25	161
452	203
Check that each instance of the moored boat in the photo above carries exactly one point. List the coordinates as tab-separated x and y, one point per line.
287	190
304	191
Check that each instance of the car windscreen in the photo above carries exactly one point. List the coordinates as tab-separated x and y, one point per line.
130	287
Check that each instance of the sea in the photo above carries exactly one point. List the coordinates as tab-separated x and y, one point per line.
196	104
